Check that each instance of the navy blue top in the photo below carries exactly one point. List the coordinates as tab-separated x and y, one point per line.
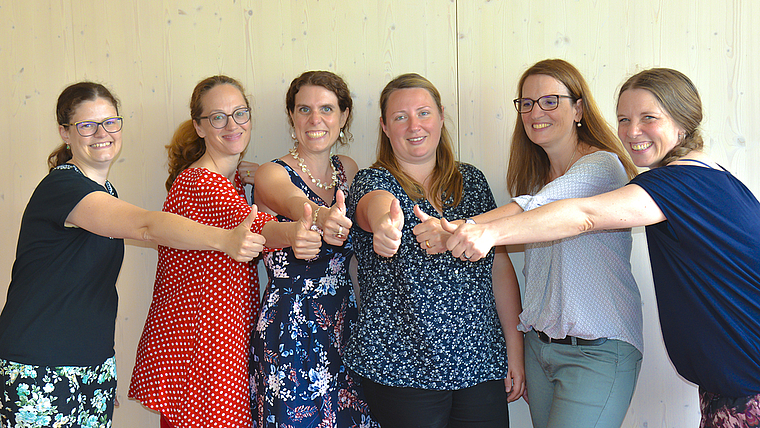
61	307
706	266
425	321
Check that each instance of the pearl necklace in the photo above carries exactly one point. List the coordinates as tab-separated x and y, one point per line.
294	152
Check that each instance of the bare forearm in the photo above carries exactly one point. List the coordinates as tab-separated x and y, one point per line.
506	292
279	235
171	230
557	220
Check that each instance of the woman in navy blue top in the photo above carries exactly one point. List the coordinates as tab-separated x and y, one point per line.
434	332
703	231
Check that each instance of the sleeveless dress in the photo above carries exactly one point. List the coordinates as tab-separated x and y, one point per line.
298	378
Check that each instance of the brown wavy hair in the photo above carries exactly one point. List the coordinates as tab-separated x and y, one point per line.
529	166
186	146
446	180
330	81
68	102
679	98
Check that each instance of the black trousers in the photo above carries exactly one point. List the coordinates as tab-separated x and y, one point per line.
481	406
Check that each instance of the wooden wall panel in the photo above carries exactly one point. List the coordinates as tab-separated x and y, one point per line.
152	53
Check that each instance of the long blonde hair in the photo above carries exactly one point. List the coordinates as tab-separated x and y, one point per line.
446	180
529	166
186	146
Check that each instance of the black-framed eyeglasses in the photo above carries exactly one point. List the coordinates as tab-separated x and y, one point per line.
547	103
219	120
87	128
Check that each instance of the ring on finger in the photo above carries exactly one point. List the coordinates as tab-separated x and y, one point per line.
427	243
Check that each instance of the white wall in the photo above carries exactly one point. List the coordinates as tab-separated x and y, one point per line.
151	53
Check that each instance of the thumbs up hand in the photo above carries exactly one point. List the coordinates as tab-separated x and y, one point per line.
387	232
333	221
429	233
305	242
244	245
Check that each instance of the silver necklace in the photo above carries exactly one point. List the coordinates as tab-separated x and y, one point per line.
317	182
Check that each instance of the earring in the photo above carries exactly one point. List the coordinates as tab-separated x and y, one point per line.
342	135
293	135
578	124
68	147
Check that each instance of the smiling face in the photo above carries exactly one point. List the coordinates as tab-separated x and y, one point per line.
317	118
233	139
550	128
413	125
646	130
97	150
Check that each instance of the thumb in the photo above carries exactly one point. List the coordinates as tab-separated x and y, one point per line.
340	201
396	215
448	227
306	220
420	214
248	222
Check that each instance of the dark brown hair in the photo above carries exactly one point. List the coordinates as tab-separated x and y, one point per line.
333	83
68	102
186	146
446	180
529	166
679	98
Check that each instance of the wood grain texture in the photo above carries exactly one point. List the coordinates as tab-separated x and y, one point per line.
152	53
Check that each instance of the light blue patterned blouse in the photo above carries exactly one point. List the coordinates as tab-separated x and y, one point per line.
425	321
582	286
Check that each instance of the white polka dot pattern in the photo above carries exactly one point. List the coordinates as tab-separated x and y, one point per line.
192	360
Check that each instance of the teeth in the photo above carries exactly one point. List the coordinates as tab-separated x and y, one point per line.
540	125
100	145
416	140
640	146
316	134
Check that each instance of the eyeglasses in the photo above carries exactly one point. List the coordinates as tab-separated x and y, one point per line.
87	128
547	103
219	120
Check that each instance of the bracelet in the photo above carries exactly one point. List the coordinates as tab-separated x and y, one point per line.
469	221
314	226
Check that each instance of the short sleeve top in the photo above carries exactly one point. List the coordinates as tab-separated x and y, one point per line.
62	301
582	286
706	266
425	321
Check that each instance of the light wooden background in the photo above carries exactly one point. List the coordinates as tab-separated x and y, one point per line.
151	53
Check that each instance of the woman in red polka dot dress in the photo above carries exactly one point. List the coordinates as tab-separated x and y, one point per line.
192	360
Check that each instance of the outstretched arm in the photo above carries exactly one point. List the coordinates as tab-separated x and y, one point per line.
105	215
276	194
629	206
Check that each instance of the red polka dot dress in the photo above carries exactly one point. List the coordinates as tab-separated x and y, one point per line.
192	360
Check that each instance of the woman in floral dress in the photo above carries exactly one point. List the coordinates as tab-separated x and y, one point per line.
308	310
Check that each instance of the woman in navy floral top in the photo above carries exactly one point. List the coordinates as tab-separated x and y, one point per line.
434	331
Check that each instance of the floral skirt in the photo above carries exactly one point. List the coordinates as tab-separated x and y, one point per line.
728	412
35	396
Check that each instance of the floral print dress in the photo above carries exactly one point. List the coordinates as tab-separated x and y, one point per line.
307	314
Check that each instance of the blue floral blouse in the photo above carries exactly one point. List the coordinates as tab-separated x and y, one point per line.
425	321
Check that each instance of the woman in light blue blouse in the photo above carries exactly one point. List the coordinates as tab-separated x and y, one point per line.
434	331
582	308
